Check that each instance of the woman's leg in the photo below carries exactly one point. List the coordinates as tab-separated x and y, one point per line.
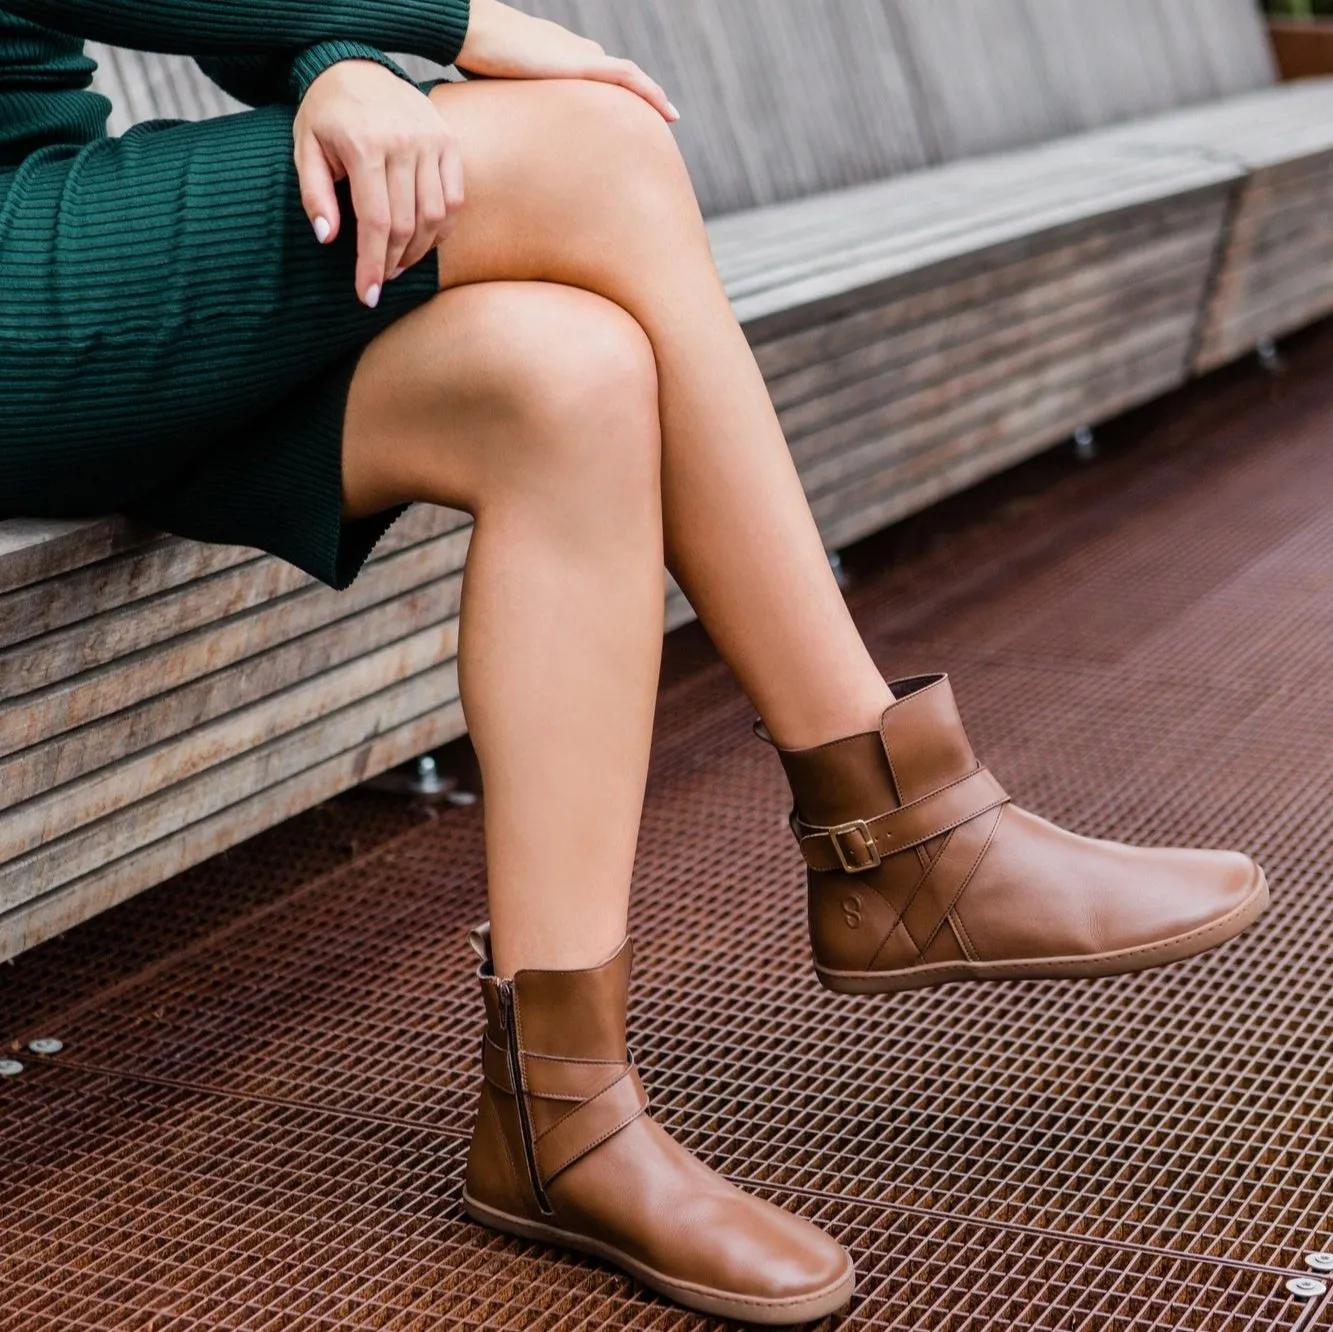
534	406
581	183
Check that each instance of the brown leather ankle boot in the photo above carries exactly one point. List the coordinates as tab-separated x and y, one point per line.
563	1151
922	871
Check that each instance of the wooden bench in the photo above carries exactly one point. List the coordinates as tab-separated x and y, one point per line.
953	232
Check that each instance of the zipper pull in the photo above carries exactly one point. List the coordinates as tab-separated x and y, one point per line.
506	993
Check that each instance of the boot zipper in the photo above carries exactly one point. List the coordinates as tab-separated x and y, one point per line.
506	988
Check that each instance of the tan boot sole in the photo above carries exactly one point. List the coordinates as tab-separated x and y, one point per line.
747	1309
1056	968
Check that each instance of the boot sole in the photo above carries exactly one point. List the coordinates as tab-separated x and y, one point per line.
1084	967
703	1299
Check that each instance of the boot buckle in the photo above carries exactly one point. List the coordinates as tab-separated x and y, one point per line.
868	848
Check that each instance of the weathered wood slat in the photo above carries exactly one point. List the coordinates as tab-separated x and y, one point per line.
197	798
110	688
1005	433
166	563
126	630
918	388
897	340
71	754
115	881
1006	278
119	785
36	548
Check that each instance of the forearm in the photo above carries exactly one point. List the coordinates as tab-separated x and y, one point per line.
431	28
261	78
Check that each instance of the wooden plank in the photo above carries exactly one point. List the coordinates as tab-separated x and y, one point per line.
28	876
954	332
846	518
827	451
166	563
1007	277
36	548
116	881
133	779
99	640
70	755
830	300
900	401
85	697
779	100
982	80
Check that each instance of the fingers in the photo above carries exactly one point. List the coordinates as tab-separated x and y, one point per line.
403	180
431	212
628	75
374	220
317	193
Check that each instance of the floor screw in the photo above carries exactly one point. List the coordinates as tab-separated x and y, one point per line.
46	1045
1266	350
1320	1262
10	1068
1306	1288
839	573
426	779
421	777
1085	444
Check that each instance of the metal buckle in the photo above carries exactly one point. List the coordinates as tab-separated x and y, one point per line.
857	826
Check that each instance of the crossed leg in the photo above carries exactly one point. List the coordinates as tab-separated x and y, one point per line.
582	387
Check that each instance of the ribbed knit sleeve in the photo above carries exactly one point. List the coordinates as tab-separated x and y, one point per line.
431	28
267	78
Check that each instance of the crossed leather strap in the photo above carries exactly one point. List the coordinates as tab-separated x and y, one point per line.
601	1097
861	844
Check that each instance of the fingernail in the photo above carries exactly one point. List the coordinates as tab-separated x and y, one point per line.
397	273
373	295
323	228
675	115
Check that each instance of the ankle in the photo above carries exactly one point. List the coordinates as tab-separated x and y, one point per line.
833	717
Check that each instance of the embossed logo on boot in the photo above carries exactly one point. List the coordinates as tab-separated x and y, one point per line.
851	910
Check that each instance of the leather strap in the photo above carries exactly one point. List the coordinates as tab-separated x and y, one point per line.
495	1065
860	844
590	1124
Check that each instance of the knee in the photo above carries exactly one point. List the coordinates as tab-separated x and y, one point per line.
579	398
613	136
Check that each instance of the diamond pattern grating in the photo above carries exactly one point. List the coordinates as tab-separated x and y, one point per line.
259	1116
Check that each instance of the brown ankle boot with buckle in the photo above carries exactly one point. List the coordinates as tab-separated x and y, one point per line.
921	870
563	1151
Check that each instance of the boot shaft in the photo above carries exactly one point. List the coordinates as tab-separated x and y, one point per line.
557	1077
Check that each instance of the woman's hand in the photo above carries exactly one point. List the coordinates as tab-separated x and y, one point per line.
503	43
361	122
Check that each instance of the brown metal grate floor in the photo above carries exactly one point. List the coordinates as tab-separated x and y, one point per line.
259	1116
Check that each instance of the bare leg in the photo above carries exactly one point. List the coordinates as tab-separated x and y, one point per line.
534	406
581	183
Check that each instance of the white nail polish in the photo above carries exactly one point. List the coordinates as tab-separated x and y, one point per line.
373	295
397	273
323	229
675	115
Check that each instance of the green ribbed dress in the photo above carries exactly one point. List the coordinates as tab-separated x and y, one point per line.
174	343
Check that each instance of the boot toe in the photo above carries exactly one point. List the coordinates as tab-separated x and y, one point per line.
763	1253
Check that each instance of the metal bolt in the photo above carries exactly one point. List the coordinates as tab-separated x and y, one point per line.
1085	444
427	780
839	573
1306	1288
46	1045
1321	1262
10	1068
